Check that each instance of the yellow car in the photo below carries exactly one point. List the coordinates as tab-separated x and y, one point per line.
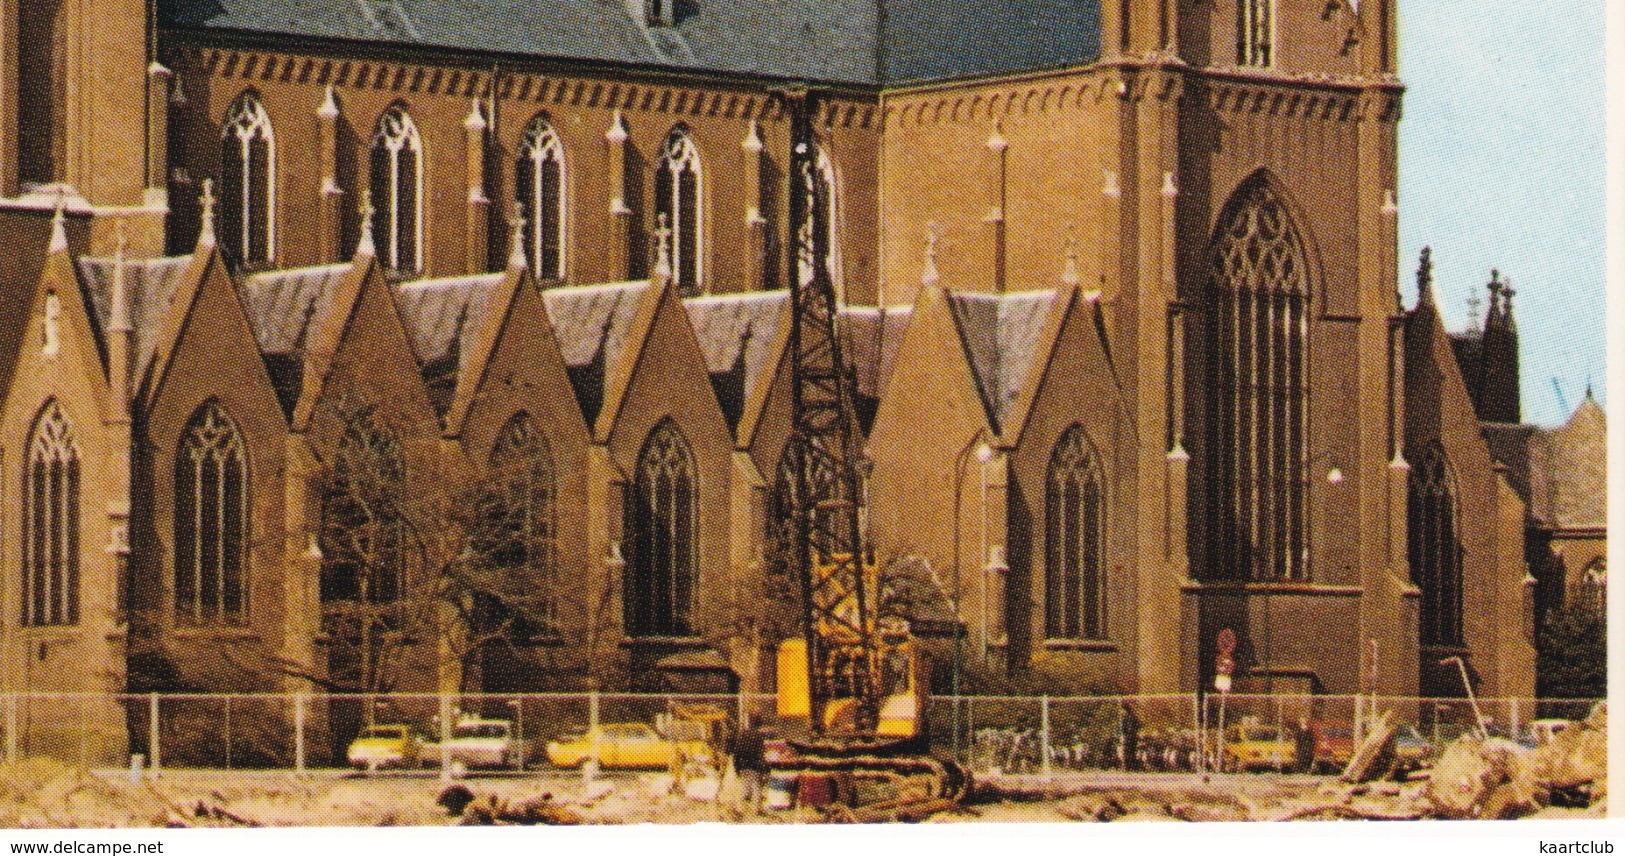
1258	747
627	745
380	747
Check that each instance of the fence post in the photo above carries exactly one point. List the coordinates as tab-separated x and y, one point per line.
228	732
591	768
1199	719
11	728
445	736
84	750
154	750
299	733
739	704
1043	734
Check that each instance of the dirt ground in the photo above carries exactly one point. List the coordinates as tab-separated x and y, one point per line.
44	794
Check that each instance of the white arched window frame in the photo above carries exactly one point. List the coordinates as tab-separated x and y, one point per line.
663	536
397	191
828	189
248	163
211	519
1257	388
51	543
680	198
539	184
1075	540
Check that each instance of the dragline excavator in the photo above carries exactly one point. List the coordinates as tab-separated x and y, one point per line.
854	677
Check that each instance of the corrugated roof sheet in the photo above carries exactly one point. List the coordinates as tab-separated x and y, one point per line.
150	284
1001	335
836	41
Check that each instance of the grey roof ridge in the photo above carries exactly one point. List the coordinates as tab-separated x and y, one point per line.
620	69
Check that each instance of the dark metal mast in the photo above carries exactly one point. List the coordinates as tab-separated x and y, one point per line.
827	552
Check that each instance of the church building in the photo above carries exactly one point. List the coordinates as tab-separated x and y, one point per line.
418	345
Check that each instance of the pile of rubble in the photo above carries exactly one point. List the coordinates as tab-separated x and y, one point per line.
1492	778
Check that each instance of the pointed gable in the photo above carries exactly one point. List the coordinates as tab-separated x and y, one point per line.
594	324
871	338
446	318
1569	470
1003	336
740	335
151	286
284	308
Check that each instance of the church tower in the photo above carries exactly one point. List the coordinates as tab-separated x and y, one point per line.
1499	399
78	119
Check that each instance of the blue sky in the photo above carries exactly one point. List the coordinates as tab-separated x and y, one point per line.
1502	165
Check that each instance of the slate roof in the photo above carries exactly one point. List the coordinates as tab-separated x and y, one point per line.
151	286
736	333
870	338
442	316
1002	335
285	308
863	42
592	323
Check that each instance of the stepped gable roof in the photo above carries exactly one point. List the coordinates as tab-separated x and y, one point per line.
151	285
737	334
286	308
593	324
1569	476
442	316
861	42
870	337
1002	334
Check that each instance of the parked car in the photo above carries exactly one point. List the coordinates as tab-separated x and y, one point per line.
1412	751
1334	746
628	745
380	747
478	744
1257	747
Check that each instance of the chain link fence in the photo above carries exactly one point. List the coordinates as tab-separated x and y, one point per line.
990	734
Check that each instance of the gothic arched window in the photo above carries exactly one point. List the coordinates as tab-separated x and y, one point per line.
248	182
518	533
1258	308
211	519
1435	546
662	534
678	203
51	522
397	191
821	220
1591	590
362	528
539	186
1255	33
1074	539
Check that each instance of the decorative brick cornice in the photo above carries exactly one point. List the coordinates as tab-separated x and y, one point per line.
989	101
